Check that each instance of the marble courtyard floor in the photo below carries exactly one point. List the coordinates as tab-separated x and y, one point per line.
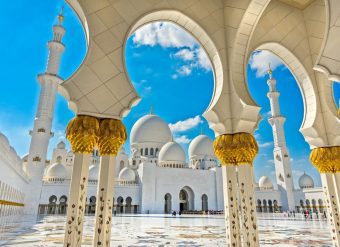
163	230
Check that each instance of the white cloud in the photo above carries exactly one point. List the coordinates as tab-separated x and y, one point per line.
259	61
186	124
184	70
203	59
270	161
169	35
257	136
185	54
267	114
182	139
297	173
165	34
265	144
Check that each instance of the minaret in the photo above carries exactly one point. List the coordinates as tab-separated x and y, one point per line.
281	155
41	132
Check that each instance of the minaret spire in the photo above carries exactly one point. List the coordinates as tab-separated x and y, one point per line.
41	132
61	16
151	110
281	155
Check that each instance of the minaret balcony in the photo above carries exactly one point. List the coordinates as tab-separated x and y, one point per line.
276	120
273	94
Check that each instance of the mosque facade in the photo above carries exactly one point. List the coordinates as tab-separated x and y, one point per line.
155	178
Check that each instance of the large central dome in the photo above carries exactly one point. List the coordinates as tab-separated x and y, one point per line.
150	129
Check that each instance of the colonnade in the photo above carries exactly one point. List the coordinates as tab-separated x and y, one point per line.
11	200
236	153
11	206
85	133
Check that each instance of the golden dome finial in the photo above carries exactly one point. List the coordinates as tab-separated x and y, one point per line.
61	16
270	72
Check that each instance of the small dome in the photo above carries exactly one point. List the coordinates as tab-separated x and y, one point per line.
201	145
57	170
122	150
171	151
127	174
61	145
306	181
265	183
150	128
94	172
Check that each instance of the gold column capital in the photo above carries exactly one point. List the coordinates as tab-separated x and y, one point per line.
82	133
111	136
238	148
326	159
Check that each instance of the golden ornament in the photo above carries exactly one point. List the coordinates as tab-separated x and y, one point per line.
111	136
235	149
82	133
326	159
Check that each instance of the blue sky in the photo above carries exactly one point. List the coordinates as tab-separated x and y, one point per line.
171	73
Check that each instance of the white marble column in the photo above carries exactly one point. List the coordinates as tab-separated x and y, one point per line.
231	206
328	184
77	200
104	202
247	204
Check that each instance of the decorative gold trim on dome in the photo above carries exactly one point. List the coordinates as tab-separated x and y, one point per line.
111	136
235	149
82	133
326	159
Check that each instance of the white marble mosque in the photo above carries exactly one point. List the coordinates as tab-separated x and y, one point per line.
157	177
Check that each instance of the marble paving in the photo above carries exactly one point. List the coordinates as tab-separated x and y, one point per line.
164	230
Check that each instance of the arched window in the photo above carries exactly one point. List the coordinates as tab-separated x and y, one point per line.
259	205
264	202
270	206
156	152
146	151
141	151
151	151
121	165
314	205
320	202
204	202
167	203
134	162
128	207
120	204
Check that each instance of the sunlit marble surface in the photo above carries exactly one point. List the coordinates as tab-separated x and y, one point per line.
164	230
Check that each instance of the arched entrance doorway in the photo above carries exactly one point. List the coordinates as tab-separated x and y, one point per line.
120	206
62	204
167	204
186	199
259	205
128	205
204	202
52	204
92	206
